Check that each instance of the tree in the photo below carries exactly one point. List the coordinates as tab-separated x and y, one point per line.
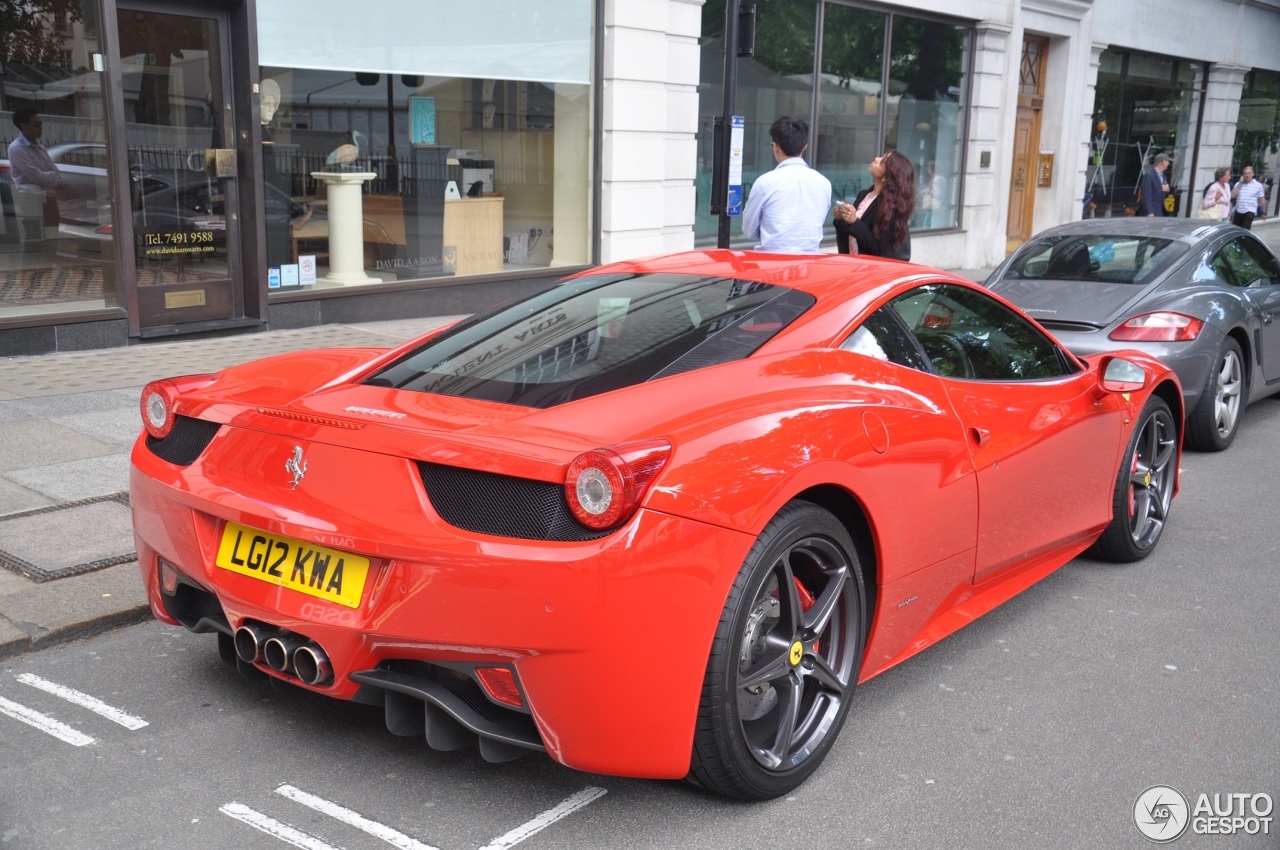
30	33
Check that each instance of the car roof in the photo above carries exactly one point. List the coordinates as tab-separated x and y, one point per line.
1187	230
825	276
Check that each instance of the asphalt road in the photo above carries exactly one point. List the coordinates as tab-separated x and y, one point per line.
1036	727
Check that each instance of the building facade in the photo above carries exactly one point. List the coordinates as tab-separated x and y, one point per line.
238	165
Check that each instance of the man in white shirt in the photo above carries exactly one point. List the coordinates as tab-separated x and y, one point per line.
35	175
1248	195
788	206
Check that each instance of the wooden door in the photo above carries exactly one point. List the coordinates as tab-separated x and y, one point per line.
1022	186
1026	141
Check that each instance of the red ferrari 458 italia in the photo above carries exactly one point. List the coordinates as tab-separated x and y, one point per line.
655	521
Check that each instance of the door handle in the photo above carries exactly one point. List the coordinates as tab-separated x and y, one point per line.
980	435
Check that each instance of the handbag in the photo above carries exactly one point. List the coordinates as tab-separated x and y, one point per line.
1211	213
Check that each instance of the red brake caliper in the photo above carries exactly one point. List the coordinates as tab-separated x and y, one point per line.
806	601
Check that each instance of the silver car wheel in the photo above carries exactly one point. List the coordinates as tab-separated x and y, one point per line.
1226	402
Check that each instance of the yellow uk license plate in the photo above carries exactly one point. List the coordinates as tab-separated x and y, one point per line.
305	567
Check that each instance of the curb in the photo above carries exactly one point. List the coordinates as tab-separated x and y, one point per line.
48	614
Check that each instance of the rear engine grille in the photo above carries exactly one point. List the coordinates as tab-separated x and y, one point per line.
501	505
185	442
1072	327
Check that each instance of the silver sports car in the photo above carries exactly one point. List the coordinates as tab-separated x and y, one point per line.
1203	297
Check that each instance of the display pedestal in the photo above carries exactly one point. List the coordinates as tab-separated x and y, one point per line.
346	226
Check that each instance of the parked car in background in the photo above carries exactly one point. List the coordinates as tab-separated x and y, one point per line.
658	520
1202	297
84	170
162	198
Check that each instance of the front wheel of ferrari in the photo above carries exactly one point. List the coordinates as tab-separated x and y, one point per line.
785	659
1144	487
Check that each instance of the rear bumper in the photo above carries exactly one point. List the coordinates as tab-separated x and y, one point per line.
608	638
1190	361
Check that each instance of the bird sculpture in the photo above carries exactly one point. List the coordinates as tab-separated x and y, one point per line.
344	155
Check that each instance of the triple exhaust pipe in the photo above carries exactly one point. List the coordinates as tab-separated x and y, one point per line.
284	652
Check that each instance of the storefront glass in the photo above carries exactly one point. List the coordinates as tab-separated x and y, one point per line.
1144	105
457	157
1258	132
56	236
777	80
887	82
921	113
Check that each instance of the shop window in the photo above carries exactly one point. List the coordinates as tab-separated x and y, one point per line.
57	249
1257	141
469	170
777	80
1137	114
886	81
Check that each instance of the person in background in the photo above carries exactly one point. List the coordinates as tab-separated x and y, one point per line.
1249	195
787	206
876	223
1154	186
34	171
1217	195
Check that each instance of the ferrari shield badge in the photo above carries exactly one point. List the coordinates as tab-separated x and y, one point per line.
296	466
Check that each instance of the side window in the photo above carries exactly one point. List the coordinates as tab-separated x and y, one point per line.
883	337
1246	263
967	334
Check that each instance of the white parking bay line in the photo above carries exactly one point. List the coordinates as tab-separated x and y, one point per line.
273	827
393	837
83	700
544	820
44	723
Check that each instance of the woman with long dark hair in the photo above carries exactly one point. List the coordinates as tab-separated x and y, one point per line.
876	222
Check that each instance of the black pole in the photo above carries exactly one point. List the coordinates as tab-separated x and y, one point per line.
720	178
393	162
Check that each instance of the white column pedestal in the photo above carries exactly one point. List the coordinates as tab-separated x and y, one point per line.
346	226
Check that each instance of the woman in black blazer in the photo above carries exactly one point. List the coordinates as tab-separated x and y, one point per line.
877	220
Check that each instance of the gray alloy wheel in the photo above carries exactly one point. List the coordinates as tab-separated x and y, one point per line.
785	659
1144	488
1213	424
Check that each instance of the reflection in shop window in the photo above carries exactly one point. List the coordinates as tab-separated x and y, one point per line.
57	252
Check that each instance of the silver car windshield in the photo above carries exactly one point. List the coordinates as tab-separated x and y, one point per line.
1097	258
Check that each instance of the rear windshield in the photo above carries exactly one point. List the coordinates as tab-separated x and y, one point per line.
594	334
1097	258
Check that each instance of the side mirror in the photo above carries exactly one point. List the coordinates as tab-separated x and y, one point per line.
1122	376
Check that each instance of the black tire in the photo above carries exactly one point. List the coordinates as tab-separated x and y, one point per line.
764	729
1144	487
1212	426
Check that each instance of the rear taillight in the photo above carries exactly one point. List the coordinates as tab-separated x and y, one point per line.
159	401
1159	327
605	486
